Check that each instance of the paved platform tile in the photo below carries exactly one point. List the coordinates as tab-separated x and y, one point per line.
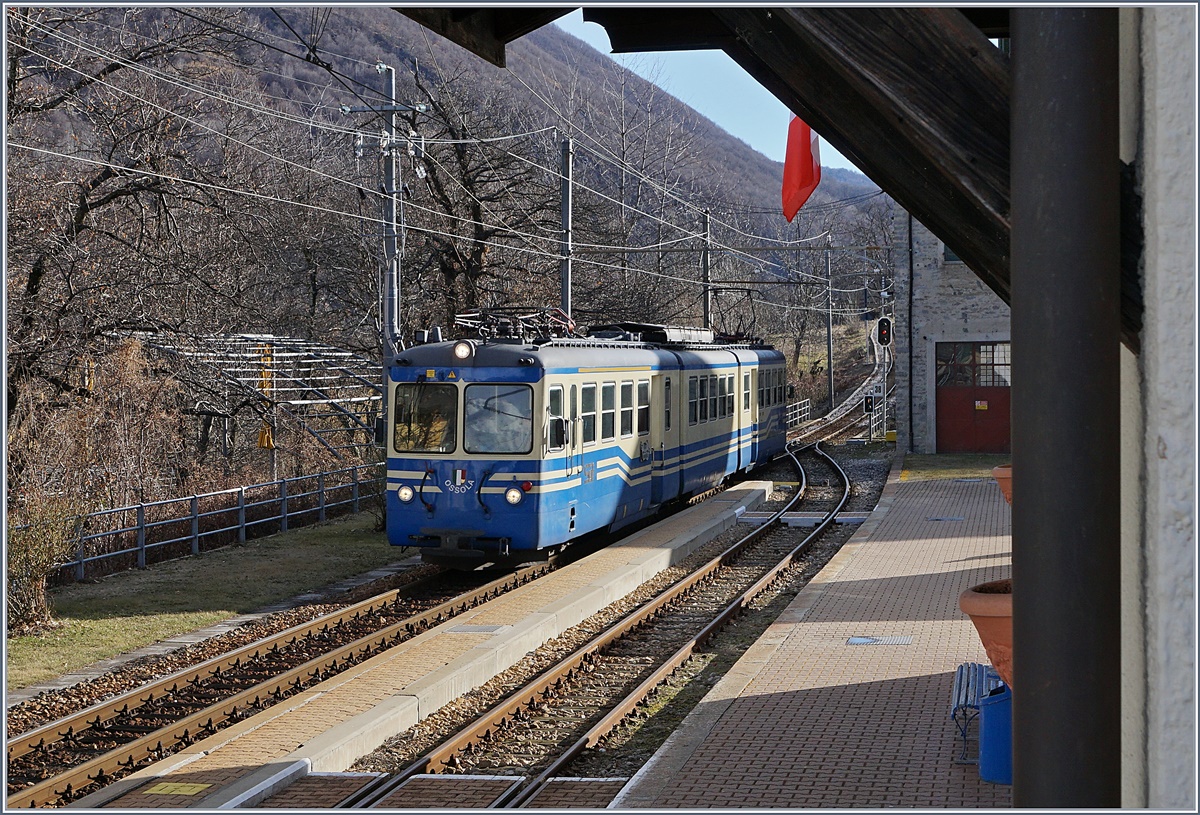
318	791
448	792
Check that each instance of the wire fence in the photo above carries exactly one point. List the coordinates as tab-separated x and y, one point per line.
135	536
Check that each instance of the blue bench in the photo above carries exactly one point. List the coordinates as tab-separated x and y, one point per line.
972	682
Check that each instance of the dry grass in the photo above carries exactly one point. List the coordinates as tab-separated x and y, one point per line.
951	465
129	610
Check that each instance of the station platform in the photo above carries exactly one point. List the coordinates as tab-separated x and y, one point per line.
845	700
325	728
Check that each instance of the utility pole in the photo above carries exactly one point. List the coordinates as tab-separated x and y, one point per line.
706	269
389	141
829	319
568	154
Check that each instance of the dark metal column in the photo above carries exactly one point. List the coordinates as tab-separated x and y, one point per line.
1065	408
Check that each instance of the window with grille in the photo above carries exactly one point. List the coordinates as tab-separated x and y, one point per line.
974	364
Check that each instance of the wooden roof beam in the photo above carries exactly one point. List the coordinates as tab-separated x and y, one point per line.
484	30
916	97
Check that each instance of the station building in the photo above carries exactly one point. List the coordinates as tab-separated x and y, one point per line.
952	342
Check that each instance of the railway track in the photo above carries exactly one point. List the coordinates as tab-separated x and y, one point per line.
66	759
542	727
62	760
72	756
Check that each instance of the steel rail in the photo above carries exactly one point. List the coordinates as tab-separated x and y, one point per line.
104	711
501	716
626	706
101	769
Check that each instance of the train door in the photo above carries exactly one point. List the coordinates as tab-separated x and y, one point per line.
573	441
664	437
752	413
747	450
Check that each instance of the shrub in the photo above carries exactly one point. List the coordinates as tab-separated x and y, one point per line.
40	537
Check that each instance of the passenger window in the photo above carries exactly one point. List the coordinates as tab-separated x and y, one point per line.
643	409
721	402
745	391
712	397
704	398
730	402
608	411
626	408
587	412
693	401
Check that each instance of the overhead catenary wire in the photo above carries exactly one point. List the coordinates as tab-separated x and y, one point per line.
600	150
312	123
440	214
216	94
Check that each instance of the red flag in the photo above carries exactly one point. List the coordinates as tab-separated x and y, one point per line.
801	167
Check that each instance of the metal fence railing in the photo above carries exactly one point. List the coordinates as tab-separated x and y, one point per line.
798	413
176	526
877	426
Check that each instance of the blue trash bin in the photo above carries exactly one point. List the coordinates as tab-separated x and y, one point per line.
995	736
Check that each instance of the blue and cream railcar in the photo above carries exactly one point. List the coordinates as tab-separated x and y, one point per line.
504	447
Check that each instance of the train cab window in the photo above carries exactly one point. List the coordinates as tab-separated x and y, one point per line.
588	414
693	401
704	398
643	407
626	409
712	397
608	411
779	386
426	418
557	430
746	391
499	419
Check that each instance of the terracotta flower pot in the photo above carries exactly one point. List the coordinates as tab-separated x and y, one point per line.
989	605
1003	476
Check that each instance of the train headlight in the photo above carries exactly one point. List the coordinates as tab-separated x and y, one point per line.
514	495
464	349
405	494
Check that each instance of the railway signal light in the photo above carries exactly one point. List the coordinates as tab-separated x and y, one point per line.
884	332
868	404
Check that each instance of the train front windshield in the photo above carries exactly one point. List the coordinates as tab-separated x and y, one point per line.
499	419
426	418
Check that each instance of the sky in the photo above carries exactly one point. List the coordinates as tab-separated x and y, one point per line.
714	85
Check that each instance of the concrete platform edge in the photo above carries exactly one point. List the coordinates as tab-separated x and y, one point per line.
257	786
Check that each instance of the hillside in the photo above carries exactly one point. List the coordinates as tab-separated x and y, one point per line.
548	59
190	172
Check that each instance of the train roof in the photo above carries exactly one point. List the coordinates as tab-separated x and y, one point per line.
552	353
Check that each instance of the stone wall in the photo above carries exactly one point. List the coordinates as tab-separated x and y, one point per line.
948	303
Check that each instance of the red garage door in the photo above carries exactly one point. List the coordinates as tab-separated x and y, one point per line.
973	397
